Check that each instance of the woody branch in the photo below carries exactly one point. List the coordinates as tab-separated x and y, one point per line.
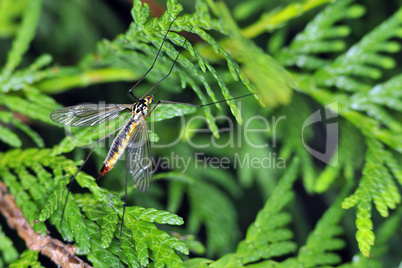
61	254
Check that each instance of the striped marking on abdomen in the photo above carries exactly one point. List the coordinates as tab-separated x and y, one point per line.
119	145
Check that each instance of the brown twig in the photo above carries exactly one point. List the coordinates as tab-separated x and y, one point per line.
61	254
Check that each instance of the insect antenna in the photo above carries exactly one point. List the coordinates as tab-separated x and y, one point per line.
153	64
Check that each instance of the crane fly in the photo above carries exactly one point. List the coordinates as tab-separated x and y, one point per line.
132	136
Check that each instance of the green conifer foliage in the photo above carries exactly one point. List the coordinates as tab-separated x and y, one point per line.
292	57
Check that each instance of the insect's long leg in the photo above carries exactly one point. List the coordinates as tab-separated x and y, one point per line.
194	105
171	68
170	102
152	66
76	173
124	210
235	98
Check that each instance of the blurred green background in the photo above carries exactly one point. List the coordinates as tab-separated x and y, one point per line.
220	206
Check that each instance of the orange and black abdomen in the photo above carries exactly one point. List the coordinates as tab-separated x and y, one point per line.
119	145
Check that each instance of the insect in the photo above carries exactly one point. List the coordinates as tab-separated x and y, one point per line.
132	137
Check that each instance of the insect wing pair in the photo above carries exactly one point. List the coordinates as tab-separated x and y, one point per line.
133	136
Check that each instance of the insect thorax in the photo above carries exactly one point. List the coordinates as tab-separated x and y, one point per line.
141	107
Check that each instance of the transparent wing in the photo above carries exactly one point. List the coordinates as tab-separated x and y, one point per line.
139	156
88	114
